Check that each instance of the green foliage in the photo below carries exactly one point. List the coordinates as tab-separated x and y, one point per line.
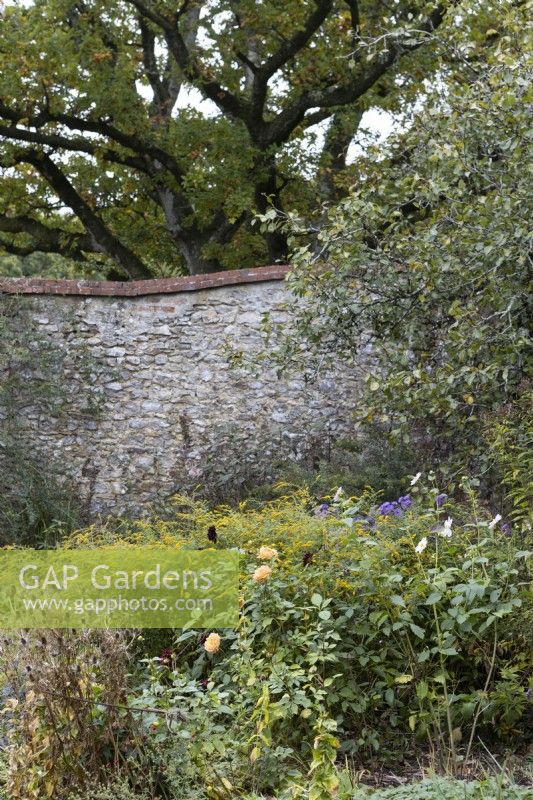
365	634
355	464
37	264
442	789
114	790
428	261
510	438
94	119
428	789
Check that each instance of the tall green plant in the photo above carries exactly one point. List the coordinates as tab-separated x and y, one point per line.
427	264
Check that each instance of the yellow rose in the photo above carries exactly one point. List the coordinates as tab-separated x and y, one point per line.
262	574
212	643
266	553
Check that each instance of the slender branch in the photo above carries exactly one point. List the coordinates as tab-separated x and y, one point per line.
154	16
45	239
279	129
159	86
103	240
77	145
101	127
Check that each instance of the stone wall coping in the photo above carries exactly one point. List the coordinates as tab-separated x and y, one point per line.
192	283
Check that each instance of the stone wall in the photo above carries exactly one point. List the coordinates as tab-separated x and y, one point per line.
170	412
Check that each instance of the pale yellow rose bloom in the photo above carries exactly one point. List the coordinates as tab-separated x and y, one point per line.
266	553
262	573
212	643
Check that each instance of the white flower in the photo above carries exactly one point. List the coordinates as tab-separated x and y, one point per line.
447	529
338	494
422	544
416	478
494	522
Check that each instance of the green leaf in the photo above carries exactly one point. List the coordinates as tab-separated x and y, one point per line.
398	600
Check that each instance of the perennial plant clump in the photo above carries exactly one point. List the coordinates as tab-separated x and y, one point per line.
363	634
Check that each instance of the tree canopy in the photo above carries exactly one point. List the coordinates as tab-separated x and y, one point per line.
429	261
103	161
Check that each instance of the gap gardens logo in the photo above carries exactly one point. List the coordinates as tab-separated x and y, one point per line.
118	588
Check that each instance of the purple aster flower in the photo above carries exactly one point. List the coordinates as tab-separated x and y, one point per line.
506	528
388	508
441	499
405	501
397	512
322	510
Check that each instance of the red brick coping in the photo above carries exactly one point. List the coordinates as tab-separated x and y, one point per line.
191	283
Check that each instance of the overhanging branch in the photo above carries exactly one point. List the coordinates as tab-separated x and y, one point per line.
76	145
43	238
101	127
103	241
279	129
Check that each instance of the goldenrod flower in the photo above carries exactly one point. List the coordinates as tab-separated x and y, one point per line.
212	643
266	553
262	573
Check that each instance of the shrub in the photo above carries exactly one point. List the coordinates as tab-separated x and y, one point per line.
382	628
428	261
